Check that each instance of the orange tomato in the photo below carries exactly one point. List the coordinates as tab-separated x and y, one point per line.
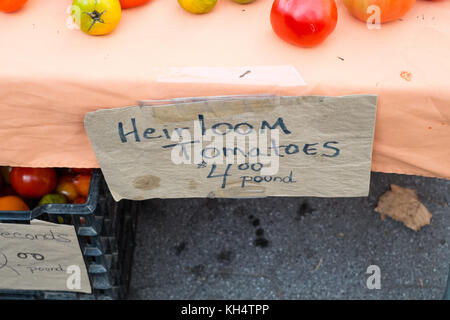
12	203
390	10
11	5
82	182
67	187
80	200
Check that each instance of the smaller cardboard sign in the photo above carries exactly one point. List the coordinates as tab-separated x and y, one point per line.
43	257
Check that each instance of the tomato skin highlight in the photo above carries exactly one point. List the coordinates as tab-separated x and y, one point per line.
96	17
390	10
305	23
10	6
33	182
125	4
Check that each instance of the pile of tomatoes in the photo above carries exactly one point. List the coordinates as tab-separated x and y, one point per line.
305	23
22	189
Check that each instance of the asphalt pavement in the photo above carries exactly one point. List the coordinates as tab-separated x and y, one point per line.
292	248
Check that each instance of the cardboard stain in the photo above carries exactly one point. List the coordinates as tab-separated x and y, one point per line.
324	147
41	256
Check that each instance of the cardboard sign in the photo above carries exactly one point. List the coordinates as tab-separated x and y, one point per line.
41	256
237	147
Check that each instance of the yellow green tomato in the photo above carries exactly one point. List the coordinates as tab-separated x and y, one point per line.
52	199
96	17
197	6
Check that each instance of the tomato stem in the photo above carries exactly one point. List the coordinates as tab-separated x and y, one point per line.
96	17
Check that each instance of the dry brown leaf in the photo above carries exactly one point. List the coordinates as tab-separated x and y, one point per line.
403	205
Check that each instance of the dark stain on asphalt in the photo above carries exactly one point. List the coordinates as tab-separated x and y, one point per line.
199	271
180	248
303	210
225	256
261	242
256	222
259	232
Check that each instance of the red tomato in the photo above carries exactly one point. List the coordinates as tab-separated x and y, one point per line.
132	3
33	182
304	23
390	10
82	182
12	203
85	171
80	200
11	5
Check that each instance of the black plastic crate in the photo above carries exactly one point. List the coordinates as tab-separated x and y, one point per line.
106	233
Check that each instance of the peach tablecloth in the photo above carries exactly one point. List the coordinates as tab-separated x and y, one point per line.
50	75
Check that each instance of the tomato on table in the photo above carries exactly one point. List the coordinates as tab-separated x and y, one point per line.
96	17
125	4
33	182
82	183
13	203
305	23
9	6
390	10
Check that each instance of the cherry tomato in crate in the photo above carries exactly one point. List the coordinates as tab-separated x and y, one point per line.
82	183
67	187
13	203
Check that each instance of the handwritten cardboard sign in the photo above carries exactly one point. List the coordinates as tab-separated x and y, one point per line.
237	147
41	256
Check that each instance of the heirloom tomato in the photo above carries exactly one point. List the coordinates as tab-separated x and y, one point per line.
11	5
96	17
132	3
390	10
304	23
